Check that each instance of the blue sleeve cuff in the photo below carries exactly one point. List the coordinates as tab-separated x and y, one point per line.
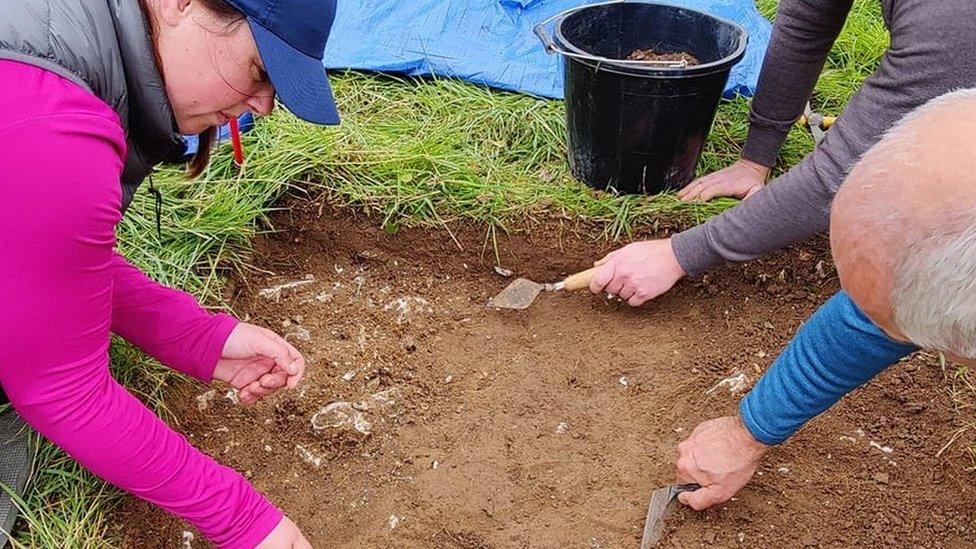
753	422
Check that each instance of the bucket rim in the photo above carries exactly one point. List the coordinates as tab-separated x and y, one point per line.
648	70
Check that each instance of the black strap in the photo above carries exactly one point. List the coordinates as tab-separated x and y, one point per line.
158	196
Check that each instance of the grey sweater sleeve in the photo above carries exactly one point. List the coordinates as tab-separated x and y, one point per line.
803	33
933	51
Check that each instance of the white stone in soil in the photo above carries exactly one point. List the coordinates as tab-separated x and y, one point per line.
203	401
736	383
281	290
308	456
341	416
407	307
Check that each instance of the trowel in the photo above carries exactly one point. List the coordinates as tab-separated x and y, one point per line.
522	291
657	511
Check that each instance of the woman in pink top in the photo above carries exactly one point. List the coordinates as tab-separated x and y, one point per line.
94	92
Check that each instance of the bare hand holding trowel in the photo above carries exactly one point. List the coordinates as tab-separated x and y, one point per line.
714	463
522	292
721	455
638	272
635	273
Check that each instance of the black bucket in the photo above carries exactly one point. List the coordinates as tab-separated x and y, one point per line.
639	126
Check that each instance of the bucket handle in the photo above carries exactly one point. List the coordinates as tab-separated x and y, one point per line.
541	30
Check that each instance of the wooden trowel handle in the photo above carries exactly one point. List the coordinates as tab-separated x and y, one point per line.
581	280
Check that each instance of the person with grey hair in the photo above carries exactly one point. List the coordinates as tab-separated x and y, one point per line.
903	236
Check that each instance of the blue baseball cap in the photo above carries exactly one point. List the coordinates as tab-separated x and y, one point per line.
291	37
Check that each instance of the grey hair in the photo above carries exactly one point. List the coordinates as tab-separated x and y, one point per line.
934	287
956	98
934	293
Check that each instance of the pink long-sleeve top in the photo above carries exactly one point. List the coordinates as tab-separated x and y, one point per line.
63	289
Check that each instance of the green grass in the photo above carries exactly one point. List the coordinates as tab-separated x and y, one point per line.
434	153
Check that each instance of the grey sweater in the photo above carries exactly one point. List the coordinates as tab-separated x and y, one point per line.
933	51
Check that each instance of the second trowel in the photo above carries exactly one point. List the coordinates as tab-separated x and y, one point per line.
522	291
657	511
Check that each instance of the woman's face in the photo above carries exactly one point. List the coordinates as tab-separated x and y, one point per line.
211	66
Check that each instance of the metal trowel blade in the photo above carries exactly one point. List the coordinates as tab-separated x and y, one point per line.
657	511
517	295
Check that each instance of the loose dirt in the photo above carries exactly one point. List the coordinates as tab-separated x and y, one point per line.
651	55
550	427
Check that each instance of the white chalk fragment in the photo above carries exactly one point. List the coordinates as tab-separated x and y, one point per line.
282	290
736	383
408	306
343	416
203	401
308	456
387	397
301	334
885	449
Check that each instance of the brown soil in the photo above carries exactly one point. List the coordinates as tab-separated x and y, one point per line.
651	55
550	427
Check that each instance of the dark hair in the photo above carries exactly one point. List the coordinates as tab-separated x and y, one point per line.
206	139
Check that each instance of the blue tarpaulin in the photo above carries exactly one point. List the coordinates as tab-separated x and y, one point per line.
491	42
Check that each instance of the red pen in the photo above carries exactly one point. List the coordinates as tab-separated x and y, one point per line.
235	139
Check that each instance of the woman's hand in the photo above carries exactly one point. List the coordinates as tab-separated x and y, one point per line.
258	362
285	536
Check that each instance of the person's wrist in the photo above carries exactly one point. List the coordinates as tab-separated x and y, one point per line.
673	264
759	168
756	448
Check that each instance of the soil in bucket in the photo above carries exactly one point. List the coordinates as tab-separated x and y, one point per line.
651	55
